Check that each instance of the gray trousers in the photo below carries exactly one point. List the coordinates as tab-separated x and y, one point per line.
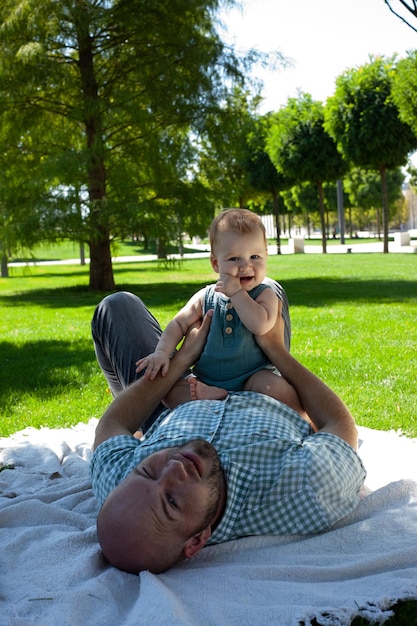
124	331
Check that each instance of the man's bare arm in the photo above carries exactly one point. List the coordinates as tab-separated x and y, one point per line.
324	407
134	405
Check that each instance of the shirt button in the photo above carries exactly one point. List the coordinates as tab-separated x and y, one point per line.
229	317
228	330
229	305
265	431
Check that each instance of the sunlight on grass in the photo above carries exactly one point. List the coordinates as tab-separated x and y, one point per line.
353	321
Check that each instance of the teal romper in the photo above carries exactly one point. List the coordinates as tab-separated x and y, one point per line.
231	354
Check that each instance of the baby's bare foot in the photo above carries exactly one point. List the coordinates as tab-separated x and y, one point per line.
201	391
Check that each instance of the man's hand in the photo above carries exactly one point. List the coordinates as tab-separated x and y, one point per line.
325	409
195	340
130	409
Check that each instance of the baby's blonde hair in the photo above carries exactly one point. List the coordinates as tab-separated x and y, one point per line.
241	221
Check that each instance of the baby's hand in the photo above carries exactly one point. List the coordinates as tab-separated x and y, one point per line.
153	364
228	284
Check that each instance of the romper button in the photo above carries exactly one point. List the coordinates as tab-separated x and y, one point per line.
228	330
229	317
229	305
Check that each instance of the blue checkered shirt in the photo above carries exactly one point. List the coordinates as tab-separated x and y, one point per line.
281	478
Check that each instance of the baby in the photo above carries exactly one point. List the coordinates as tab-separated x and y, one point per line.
243	306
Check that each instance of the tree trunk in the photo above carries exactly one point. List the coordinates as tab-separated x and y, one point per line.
162	248
82	253
4	266
385	217
101	270
275	200
322	217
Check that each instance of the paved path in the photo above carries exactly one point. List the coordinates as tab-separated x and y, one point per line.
204	253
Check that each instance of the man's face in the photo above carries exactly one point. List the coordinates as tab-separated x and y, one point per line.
168	498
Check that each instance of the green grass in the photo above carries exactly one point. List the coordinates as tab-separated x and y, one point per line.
70	250
354	321
353	318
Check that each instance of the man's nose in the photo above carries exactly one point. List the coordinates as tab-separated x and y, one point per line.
174	471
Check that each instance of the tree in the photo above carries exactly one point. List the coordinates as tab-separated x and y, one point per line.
85	84
365	122
302	150
404	87
21	222
262	174
364	191
224	146
301	199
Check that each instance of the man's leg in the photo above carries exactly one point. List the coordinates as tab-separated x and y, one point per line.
123	331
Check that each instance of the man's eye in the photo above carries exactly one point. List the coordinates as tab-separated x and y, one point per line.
171	501
146	472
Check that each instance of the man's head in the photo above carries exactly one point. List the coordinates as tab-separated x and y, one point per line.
164	510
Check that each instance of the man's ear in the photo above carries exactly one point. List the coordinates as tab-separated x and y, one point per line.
214	263
195	543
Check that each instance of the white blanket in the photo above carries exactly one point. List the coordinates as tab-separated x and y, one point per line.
52	572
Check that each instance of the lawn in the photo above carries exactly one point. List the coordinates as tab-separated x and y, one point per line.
353	321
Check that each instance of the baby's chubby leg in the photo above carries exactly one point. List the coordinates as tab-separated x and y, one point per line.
270	384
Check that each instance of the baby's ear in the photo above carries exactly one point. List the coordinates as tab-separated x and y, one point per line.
195	543
214	263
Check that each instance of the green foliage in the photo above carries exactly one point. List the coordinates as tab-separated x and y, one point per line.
364	120
364	187
224	148
404	88
299	145
262	173
301	148
364	194
263	176
104	97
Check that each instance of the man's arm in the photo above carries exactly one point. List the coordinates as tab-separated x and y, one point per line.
324	407
134	405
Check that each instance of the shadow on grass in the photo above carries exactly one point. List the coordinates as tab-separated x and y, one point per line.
318	292
154	294
310	292
42	366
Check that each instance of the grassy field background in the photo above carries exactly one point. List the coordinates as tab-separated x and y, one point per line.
354	322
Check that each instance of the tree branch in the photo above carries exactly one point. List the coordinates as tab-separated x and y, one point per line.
412	9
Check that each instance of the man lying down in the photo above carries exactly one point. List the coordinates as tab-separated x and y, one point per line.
210	471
